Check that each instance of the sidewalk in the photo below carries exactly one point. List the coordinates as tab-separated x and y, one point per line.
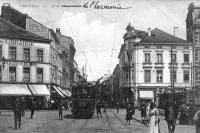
163	124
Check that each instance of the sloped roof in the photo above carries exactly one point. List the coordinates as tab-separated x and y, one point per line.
159	36
9	30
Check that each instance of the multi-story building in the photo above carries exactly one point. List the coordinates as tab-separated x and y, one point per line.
148	62
53	60
24	68
193	35
62	48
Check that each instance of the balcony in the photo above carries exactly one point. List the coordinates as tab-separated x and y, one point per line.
127	65
186	64
159	63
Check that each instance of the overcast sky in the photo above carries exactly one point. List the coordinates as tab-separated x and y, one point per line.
98	33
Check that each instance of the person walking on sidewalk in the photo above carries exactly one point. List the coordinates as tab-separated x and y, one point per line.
128	114
32	107
60	110
154	119
17	113
197	120
170	116
98	108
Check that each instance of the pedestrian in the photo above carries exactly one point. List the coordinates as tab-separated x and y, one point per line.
128	114
32	107
98	108
171	116
183	114
147	113
117	104
143	111
60	110
197	120
154	119
23	106
17	113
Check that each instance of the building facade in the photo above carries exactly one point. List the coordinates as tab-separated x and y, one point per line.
193	35
153	64
62	50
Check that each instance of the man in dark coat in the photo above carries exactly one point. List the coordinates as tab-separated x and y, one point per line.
98	108
171	116
17	113
32	107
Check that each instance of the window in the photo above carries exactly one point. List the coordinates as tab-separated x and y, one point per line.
147	57
40	55
186	58
159	47
39	74
174	76
27	54
186	76
0	73
159	75
127	74
12	73
26	72
1	55
159	58
147	75
147	47
173	58
12	53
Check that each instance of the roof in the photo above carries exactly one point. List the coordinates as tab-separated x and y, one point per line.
9	30
159	36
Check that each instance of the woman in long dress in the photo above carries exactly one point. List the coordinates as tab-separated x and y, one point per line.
154	120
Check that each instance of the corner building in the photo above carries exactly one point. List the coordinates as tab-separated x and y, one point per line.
153	65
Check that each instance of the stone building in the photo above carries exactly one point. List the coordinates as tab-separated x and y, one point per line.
25	64
193	35
154	64
62	50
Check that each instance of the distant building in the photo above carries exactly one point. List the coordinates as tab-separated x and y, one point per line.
193	35
117	92
148	62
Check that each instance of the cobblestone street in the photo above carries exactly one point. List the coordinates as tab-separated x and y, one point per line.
48	122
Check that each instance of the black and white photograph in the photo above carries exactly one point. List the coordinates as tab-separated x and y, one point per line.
99	66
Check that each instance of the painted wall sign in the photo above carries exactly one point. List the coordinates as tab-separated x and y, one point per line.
19	42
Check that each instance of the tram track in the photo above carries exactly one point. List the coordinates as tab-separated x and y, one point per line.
84	124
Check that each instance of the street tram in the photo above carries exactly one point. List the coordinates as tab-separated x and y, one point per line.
83	100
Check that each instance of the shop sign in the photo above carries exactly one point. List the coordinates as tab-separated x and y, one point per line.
17	63
19	42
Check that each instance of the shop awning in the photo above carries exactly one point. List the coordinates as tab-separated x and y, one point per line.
14	90
67	93
39	90
58	91
146	94
63	91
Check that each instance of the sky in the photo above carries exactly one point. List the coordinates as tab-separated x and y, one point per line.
98	33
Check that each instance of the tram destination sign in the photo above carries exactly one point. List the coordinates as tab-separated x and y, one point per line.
19	42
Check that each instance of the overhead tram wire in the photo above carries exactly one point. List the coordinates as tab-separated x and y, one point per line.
114	37
181	27
73	32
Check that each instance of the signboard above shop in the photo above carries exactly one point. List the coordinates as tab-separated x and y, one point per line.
19	42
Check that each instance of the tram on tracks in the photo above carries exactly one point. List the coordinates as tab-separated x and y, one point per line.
83	100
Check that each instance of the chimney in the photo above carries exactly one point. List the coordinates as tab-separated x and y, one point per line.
58	30
6	4
149	31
